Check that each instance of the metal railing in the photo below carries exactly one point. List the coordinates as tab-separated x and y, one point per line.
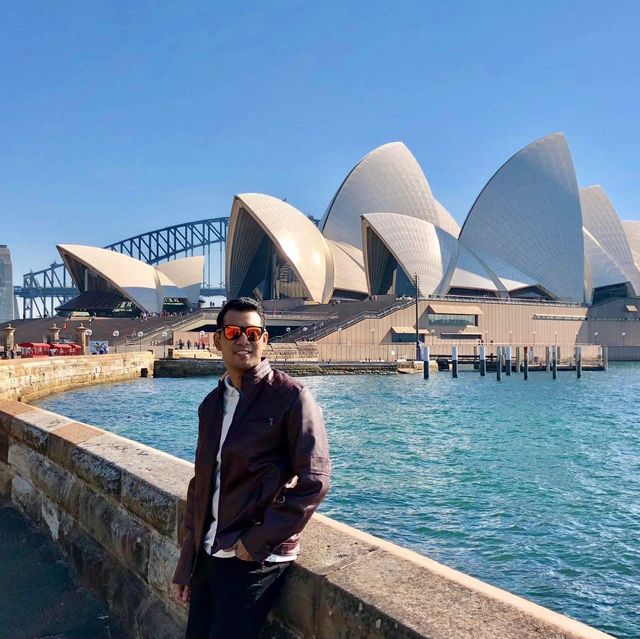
323	331
500	300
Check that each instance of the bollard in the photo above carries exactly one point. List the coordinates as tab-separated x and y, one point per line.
425	364
498	362
547	359
454	361
578	362
554	363
507	364
483	361
517	368
526	363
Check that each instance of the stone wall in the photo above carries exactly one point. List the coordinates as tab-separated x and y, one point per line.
29	379
194	368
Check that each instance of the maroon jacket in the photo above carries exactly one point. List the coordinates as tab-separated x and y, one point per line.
277	433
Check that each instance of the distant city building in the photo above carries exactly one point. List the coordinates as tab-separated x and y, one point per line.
6	285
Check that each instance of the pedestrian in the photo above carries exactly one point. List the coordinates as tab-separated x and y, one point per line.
262	468
188	344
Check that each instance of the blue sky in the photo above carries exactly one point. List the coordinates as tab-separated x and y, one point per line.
121	117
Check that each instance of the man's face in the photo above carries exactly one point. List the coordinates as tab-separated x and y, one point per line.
241	355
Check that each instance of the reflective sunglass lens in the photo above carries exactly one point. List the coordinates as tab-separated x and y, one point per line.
232	332
253	333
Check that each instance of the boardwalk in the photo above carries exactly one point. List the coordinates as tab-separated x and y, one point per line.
41	596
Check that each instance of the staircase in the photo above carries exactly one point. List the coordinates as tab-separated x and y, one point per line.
343	317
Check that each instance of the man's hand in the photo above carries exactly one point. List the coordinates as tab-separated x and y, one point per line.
182	593
241	552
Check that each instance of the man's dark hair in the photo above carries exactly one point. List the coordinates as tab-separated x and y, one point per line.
240	304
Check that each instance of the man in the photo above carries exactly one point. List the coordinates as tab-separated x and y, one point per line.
261	469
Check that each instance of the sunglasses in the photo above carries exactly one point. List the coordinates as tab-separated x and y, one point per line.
232	332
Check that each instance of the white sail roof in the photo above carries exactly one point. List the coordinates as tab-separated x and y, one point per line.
348	267
387	179
602	222
185	277
529	216
298	240
603	270
414	244
471	273
143	284
632	231
508	277
133	278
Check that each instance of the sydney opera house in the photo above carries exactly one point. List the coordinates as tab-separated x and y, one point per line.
113	284
531	233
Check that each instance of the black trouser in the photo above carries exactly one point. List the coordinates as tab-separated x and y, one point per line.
230	598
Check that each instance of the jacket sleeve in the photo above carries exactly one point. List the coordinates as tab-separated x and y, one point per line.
184	567
182	574
309	456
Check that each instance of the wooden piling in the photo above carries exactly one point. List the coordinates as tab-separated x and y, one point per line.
483	361
578	362
425	364
507	363
454	361
498	362
554	363
526	363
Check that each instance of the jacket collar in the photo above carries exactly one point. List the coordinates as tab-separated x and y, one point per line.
255	375
252	377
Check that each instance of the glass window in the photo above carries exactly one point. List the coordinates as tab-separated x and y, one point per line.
452	320
403	338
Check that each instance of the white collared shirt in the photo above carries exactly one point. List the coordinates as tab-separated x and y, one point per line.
230	402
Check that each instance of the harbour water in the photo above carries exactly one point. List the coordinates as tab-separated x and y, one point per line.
531	486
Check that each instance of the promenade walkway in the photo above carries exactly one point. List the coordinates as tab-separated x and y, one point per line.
40	597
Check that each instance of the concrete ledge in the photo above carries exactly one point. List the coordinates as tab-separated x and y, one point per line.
373	588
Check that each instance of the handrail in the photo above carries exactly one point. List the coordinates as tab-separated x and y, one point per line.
323	331
179	323
500	300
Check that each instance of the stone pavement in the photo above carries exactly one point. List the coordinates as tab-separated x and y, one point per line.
40	596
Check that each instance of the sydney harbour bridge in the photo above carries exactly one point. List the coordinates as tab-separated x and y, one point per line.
42	291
